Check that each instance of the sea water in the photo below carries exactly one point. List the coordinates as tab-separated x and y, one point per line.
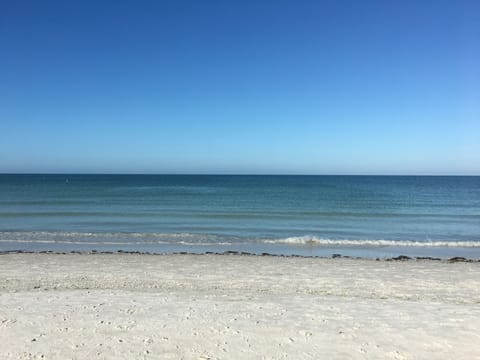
366	216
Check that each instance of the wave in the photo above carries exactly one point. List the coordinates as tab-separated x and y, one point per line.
316	241
112	238
73	242
192	239
70	234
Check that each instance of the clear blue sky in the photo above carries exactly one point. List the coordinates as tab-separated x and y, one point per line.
311	87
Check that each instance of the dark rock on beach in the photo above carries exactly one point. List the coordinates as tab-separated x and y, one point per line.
231	252
400	258
458	259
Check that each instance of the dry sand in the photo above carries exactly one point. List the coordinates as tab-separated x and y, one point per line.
236	307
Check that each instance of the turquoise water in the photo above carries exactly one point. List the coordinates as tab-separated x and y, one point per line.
304	215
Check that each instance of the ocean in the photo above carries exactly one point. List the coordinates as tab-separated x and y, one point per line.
364	216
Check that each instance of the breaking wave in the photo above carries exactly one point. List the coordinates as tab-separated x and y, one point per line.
316	241
192	239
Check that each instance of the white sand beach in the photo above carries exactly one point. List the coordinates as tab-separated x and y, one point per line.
127	306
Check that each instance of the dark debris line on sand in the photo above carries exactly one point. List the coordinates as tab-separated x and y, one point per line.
238	253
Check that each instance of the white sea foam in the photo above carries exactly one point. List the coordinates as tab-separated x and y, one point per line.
103	235
316	241
110	238
191	239
119	243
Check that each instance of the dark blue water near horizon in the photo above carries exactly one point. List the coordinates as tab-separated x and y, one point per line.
298	214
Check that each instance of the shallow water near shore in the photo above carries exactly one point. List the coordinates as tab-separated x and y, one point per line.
364	216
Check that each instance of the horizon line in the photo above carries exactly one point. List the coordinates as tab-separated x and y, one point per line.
232	174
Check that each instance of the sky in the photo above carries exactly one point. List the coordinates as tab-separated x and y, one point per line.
240	87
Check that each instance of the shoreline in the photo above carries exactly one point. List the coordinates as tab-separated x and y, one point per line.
400	257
